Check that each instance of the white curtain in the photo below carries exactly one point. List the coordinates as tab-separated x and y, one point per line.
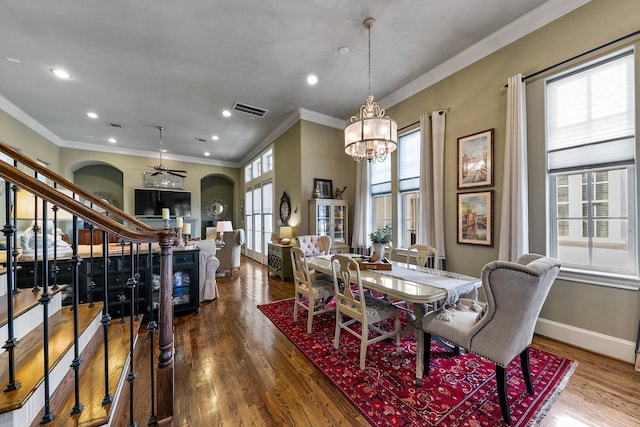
514	226
430	227
362	205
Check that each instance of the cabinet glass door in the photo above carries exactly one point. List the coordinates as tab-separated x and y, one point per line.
323	220
339	225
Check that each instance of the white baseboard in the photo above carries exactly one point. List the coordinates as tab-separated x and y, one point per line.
593	341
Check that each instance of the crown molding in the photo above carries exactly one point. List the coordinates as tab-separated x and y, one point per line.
15	112
537	18
142	153
292	119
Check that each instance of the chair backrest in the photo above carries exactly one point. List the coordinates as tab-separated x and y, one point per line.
229	254
424	255
300	268
314	245
515	293
350	298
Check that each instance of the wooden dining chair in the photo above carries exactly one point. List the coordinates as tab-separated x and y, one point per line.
318	292
515	293
357	306
424	256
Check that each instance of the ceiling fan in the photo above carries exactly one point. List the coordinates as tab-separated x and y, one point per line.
162	169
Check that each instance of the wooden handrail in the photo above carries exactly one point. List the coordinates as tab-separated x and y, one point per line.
141	233
46	172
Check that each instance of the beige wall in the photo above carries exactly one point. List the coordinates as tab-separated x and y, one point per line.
133	168
477	102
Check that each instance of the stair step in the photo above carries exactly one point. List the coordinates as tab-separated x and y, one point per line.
25	319
29	355
92	381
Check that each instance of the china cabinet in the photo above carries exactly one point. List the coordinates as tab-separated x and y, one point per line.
330	217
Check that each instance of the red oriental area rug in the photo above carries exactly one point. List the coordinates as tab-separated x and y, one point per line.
461	390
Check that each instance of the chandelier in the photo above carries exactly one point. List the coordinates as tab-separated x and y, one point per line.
371	135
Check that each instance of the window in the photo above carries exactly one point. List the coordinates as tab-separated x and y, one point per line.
381	193
258	205
408	186
591	166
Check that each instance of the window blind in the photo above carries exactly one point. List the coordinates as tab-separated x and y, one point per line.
590	116
409	161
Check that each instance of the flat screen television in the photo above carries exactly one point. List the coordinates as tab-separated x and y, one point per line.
149	202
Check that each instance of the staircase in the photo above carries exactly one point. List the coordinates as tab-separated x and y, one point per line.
64	363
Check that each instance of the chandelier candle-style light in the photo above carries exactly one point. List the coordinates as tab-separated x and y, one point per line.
372	135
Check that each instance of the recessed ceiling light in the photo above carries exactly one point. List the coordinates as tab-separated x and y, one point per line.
215	137
92	115
343	50
206	153
163	150
312	79
14	60
60	73
226	113
112	140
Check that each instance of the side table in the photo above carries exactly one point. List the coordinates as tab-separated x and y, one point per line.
279	259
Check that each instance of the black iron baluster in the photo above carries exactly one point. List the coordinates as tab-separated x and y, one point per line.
121	296
15	252
35	228
45	299
10	345
106	318
91	284
54	267
151	327
131	284
75	364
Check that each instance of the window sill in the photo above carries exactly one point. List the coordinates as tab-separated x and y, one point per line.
611	280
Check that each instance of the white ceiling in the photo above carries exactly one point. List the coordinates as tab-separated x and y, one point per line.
178	64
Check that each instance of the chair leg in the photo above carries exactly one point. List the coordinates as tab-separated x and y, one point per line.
310	310
336	340
501	379
295	307
526	371
426	354
363	346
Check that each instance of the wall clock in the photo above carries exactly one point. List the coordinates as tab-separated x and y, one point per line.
285	208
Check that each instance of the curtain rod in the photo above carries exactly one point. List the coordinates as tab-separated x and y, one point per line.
580	55
440	112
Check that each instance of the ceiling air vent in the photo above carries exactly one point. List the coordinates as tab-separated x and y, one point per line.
115	125
200	139
249	109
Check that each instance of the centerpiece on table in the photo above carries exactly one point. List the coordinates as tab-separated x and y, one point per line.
380	239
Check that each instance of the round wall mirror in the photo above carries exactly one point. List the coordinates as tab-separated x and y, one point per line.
216	208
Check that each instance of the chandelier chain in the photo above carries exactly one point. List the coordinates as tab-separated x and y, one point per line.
369	29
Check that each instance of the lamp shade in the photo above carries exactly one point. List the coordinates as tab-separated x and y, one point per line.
223	226
25	206
286	233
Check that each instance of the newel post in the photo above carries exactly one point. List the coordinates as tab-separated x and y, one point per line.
165	374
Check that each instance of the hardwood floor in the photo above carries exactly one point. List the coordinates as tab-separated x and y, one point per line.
233	368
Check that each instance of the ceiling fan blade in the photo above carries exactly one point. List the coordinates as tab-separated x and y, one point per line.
177	170
156	173
176	174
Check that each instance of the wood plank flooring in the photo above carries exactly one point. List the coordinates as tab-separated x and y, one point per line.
234	368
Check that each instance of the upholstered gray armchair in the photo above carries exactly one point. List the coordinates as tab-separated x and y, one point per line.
515	293
229	254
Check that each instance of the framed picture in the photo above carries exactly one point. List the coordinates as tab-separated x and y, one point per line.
475	218
322	188
475	160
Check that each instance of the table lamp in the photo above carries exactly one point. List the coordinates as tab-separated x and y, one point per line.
286	233
223	226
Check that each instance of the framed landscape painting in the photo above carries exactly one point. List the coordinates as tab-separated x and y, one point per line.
475	218
475	160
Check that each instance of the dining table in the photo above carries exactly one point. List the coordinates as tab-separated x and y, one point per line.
420	286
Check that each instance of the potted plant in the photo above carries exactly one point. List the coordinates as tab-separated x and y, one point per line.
380	238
